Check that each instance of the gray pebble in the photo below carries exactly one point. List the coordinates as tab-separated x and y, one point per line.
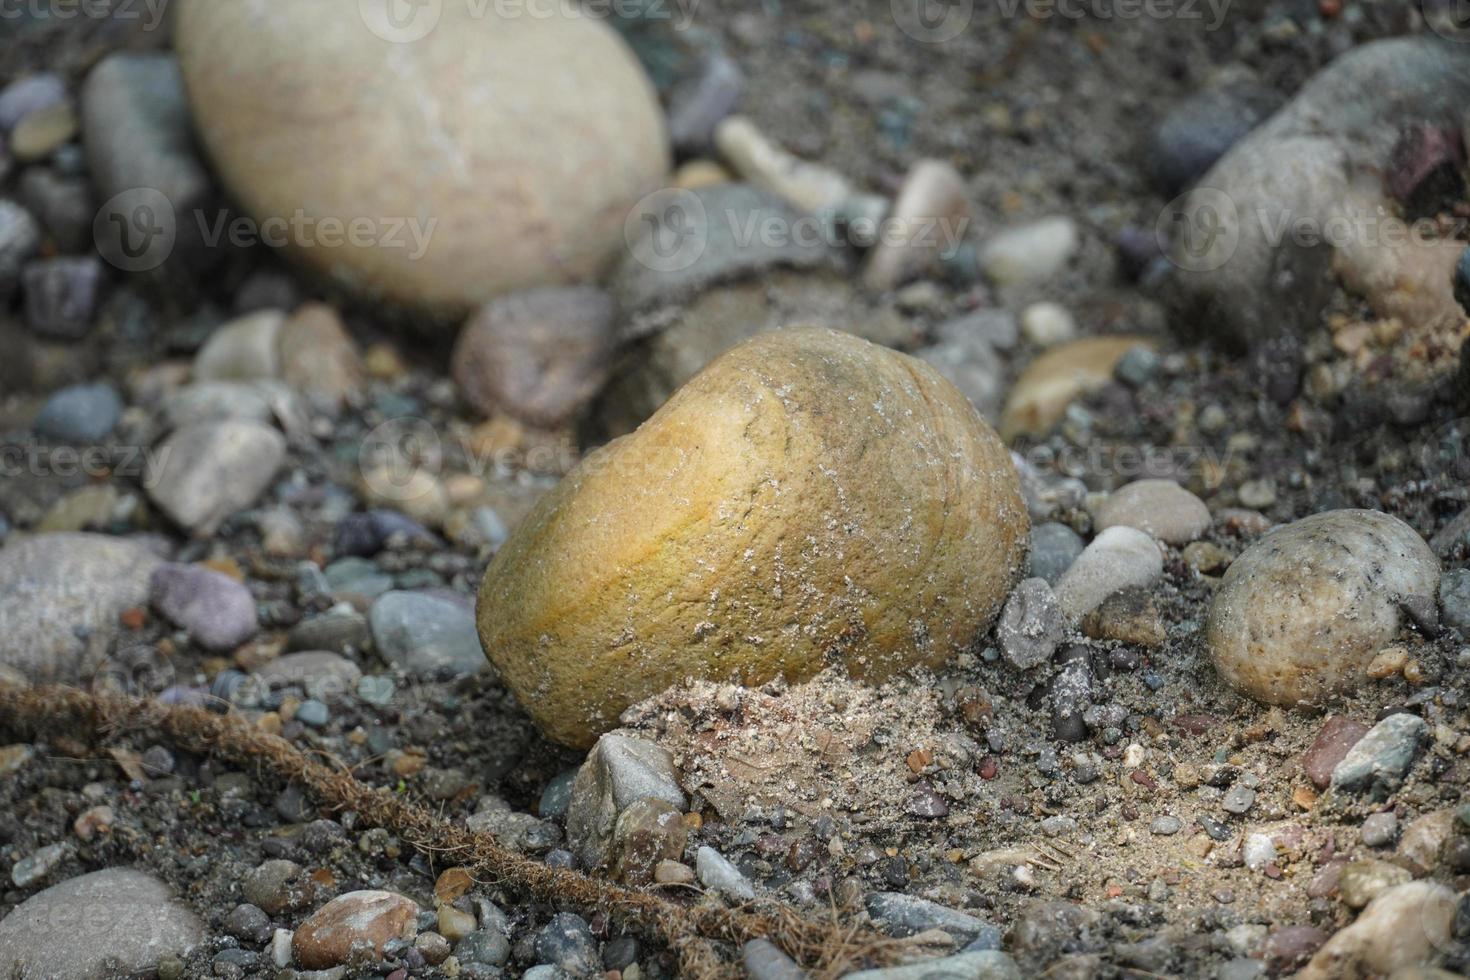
139	925
248	923
1239	800
312	712
217	611
1379	761
557	796
427	634
35	866
488	946
718	875
1137	366
906	915
1053	549
1031	624
211	470
763	961
79	415
568	943
376	689
1380	829
29	94
619	953
1166	826
619	771
1454	599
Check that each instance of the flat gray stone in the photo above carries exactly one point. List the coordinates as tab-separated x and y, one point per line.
208	471
60	598
135	123
906	915
986	965
426	634
1378	762
112	923
619	771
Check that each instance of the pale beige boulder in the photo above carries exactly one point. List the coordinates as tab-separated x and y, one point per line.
807	499
494	152
1302	612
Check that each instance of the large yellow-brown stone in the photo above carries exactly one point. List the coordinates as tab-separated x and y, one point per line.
808	499
499	150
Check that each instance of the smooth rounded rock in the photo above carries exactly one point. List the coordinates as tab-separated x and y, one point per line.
115	922
357	925
1054	547
210	470
427	634
80	415
245	349
318	358
1118	558
1160	507
60	599
539	355
929	219
1030	253
485	150
1407	926
1301	613
135	124
807	499
217	611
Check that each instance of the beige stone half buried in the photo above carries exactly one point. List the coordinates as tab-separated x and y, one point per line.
808	499
1300	615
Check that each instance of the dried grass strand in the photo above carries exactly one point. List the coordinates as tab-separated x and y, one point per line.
691	931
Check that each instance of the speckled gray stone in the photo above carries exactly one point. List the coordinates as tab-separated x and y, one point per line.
60	598
1301	613
115	922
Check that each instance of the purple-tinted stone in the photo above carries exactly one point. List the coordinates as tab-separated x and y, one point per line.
218	612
